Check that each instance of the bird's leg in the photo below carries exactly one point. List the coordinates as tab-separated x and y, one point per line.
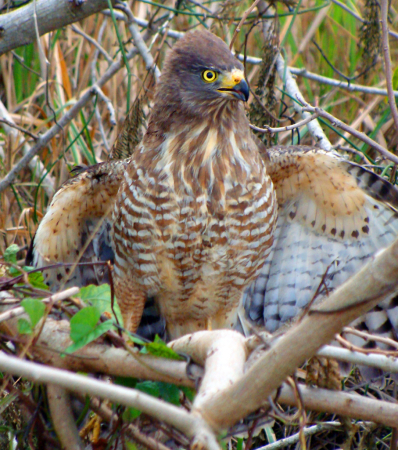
131	302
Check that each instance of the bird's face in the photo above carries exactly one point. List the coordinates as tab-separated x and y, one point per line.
200	72
228	84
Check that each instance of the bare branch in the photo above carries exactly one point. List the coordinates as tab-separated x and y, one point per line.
192	426
35	165
384	4
139	42
63	121
363	291
351	405
268	129
62	418
19	311
337	123
18	28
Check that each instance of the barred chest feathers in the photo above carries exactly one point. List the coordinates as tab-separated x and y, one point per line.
195	225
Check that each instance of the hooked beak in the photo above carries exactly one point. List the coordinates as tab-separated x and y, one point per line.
234	83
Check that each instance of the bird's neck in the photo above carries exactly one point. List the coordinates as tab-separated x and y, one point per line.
204	151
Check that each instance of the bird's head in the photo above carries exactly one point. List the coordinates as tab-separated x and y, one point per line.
201	71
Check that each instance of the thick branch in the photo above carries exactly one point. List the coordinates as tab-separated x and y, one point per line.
18	28
62	418
351	405
363	291
100	358
192	426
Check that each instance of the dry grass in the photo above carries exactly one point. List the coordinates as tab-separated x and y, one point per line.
35	100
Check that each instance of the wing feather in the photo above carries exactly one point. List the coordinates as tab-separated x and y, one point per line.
333	216
76	227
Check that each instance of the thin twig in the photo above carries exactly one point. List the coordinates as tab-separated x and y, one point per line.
94	42
139	42
242	21
108	103
65	119
339	124
53	298
35	164
370	337
131	430
293	90
268	129
17	127
387	61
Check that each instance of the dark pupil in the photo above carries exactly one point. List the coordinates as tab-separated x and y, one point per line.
209	75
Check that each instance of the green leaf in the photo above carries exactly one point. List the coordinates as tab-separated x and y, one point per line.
395	79
137	341
131	446
10	255
100	296
90	336
169	392
126	382
159	348
34	308
149	387
36	279
131	414
189	392
24	327
84	322
14	272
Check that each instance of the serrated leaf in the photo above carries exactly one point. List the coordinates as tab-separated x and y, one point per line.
34	308
84	322
24	327
90	336
10	255
100	296
169	392
159	348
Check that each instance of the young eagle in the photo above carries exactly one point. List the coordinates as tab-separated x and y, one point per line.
191	218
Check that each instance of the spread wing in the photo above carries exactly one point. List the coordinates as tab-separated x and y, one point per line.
76	229
333	216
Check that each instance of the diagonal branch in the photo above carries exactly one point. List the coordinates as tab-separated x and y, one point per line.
363	291
18	27
65	119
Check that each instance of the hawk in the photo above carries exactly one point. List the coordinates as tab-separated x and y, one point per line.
203	219
195	211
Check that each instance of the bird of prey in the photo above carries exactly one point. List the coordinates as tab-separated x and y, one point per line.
202	211
193	209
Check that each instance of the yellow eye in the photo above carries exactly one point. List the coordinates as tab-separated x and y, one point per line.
209	76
